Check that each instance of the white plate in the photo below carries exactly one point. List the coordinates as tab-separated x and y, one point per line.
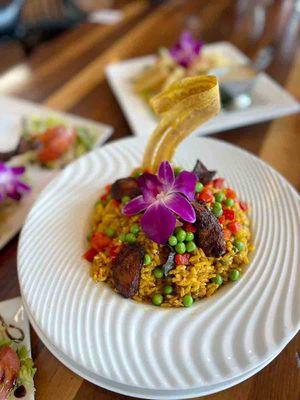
269	100
13	313
12	110
218	339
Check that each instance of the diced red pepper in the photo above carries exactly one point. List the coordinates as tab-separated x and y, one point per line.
227	234
107	188
230	194
190	228
218	183
243	205
90	254
115	202
100	241
228	214
222	219
104	197
209	185
182	259
234	227
114	251
206	195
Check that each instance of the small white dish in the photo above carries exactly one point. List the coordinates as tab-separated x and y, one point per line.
12	111
269	99
13	313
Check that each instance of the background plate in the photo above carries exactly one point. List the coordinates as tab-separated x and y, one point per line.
270	100
215	341
12	110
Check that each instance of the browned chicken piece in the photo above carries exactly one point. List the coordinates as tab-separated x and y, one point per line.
203	174
209	235
125	187
127	269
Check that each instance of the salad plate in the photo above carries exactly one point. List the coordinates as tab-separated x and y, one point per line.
22	124
13	313
269	99
140	349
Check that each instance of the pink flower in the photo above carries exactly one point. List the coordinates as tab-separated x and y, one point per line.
164	198
186	49
10	184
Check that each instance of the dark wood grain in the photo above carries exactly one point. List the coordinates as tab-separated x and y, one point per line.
72	78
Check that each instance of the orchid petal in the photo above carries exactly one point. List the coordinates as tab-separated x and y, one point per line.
181	206
135	206
22	187
150	186
185	183
18	170
166	175
158	222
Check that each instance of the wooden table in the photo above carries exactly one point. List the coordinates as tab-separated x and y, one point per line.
68	74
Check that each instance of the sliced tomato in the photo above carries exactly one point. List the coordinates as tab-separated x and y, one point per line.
90	254
218	183
55	142
182	259
234	227
100	241
9	370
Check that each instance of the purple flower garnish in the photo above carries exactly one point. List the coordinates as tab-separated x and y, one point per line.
186	49
163	197
10	184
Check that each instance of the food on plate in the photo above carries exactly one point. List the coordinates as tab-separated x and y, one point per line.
16	366
187	57
177	242
12	188
51	142
168	236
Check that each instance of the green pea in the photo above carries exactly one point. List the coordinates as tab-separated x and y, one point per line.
98	202
135	229
138	173
172	240
234	275
89	236
147	259
189	236
187	300
229	202
122	237
125	199
110	232
158	273
157	299
190	246
180	248
199	187
217	280
217	209
130	238
239	245
168	289
219	197
181	235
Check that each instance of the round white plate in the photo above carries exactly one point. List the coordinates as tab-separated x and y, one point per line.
218	339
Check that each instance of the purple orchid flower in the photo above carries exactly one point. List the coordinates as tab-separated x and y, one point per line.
10	184
186	49
163	197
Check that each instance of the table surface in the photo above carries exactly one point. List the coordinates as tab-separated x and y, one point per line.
68	74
